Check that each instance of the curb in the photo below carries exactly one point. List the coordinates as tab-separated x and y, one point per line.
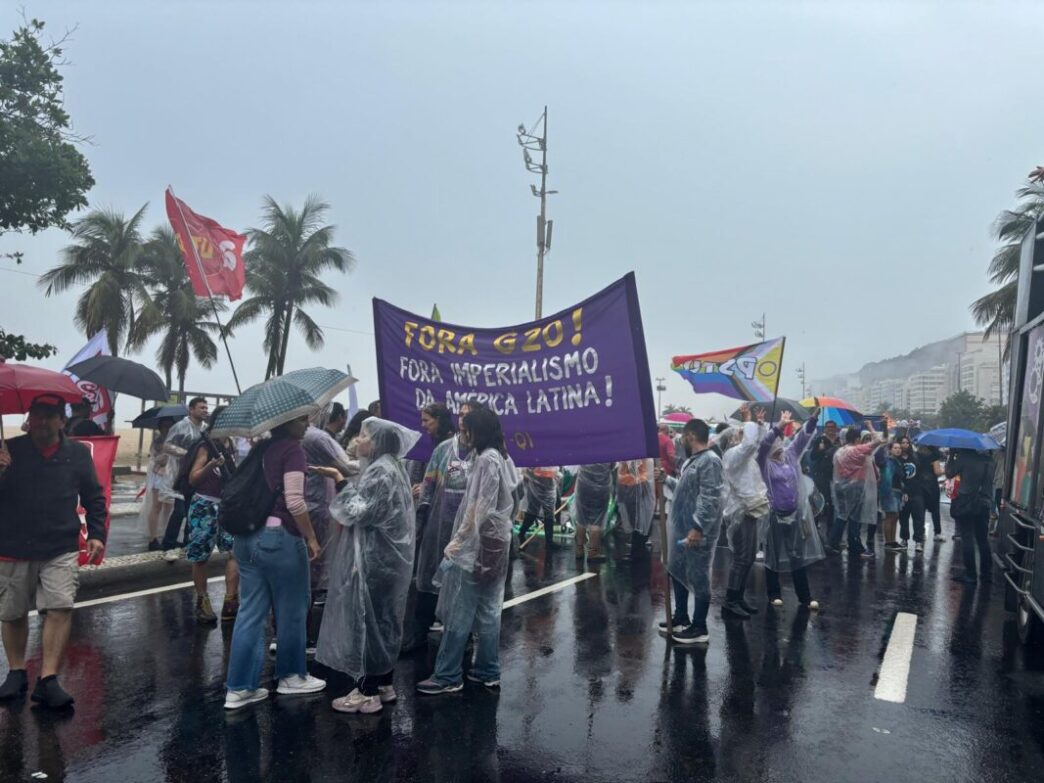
127	571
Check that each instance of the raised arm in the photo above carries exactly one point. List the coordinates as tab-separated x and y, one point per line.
804	436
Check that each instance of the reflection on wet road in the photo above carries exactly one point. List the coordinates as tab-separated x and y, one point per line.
590	692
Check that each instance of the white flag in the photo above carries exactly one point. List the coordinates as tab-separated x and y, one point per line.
101	398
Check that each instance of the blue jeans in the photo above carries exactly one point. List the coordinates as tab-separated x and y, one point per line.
476	606
273	574
838	528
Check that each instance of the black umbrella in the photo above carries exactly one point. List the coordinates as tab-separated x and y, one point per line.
149	420
782	404
121	375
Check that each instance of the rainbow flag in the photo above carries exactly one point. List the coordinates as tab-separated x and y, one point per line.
749	373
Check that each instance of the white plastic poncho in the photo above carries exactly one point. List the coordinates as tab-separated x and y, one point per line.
791	539
541	485
372	561
636	496
697	501
159	484
594	486
745	492
855	483
480	546
442	494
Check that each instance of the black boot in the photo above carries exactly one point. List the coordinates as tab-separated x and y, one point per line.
16	684
732	609
549	534
50	694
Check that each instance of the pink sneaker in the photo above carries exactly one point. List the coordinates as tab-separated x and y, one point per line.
356	702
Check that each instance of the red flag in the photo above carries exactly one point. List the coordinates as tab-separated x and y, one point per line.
103	451
213	254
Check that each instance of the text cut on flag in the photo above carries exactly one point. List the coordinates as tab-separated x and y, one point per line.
748	373
213	254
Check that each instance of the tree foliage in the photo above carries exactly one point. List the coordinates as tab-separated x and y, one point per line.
287	257
966	411
43	177
15	346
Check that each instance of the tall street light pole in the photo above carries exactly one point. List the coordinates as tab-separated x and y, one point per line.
759	327
531	142
660	389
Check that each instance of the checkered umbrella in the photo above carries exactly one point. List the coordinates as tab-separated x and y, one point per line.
279	400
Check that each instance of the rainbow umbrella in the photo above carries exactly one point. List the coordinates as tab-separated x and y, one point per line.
835	410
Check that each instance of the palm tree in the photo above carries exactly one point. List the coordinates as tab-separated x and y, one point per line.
173	310
996	310
105	256
283	268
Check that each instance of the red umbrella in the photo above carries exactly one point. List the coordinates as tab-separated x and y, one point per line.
20	383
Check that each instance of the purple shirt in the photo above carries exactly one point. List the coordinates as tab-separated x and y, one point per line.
284	455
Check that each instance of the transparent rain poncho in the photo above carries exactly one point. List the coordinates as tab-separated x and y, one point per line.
322	449
371	564
696	498
442	493
636	496
594	487
541	485
480	546
159	486
791	539
745	492
855	483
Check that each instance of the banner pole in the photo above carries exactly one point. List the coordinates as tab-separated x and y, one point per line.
775	396
210	294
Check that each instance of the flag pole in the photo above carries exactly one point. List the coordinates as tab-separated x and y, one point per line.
775	396
210	294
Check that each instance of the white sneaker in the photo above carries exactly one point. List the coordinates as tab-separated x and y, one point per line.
436	627
777	602
272	648
235	700
387	694
939	539
918	547
356	702
296	685
813	606
171	555
760	557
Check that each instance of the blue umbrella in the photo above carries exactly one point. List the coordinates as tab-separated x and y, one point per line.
954	438
279	400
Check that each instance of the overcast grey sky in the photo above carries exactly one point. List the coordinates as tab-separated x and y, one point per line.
834	165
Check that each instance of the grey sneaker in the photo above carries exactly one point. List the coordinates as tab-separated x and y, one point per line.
488	683
296	685
431	687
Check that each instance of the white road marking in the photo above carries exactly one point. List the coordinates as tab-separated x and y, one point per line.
136	594
895	668
549	589
183	585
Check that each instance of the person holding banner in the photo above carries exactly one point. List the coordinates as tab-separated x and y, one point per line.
792	540
44	477
695	520
476	562
440	497
635	503
745	506
541	487
594	489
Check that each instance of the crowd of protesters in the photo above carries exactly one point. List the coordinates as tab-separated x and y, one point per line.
354	527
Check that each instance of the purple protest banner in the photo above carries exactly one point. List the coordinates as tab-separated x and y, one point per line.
570	389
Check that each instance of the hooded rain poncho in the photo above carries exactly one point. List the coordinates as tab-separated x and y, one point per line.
322	449
480	546
855	483
789	531
696	502
541	485
372	563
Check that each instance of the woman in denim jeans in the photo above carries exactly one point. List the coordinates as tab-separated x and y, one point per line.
473	573
273	573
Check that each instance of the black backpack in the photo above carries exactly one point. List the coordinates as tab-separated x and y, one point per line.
246	498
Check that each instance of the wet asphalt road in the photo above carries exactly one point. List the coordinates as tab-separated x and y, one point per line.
590	693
